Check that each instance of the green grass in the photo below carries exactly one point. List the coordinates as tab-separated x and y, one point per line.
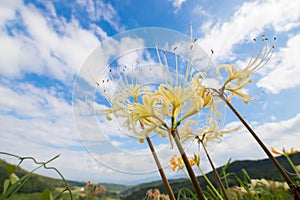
23	196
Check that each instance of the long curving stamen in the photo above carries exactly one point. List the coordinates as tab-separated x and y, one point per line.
264	55
253	52
167	66
265	59
188	73
258	55
261	57
160	63
209	61
176	64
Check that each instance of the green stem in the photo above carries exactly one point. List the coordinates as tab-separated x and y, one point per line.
292	164
209	183
215	171
294	188
160	169
188	166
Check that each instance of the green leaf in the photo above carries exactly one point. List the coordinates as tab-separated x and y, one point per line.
52	159
46	195
5	185
226	166
182	193
10	169
13	178
246	176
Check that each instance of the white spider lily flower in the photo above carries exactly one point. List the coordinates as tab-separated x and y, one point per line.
239	78
208	133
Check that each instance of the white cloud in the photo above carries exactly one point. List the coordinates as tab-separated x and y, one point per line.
283	70
47	45
177	4
8	11
34	114
199	10
241	145
98	9
250	16
117	167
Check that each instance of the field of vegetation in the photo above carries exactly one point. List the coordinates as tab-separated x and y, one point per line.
243	179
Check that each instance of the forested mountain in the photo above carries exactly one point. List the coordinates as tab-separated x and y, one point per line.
256	169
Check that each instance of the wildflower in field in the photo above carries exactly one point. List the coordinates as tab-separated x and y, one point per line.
175	95
135	104
160	108
154	194
196	159
284	152
239	78
178	164
254	183
207	133
92	190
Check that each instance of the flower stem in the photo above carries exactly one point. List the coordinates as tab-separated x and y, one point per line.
209	183
294	188
188	166
160	169
215	171
292	164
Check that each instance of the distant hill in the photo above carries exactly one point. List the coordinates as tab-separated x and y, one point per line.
38	182
256	169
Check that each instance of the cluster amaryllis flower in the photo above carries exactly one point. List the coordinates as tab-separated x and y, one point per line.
161	108
148	109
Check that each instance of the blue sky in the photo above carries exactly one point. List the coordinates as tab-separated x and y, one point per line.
44	44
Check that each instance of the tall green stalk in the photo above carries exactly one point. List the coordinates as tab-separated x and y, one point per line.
210	184
292	164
